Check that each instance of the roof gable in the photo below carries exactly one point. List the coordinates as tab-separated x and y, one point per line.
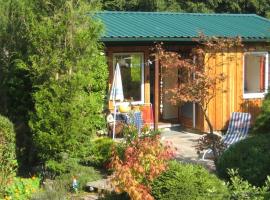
166	26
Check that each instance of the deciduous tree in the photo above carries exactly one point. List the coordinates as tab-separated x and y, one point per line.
198	82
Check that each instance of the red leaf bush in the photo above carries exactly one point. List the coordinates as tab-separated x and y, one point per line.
144	160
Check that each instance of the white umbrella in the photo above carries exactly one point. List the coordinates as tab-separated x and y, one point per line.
116	91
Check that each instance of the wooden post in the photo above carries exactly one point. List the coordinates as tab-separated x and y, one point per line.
156	93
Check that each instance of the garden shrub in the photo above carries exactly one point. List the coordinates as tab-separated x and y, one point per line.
262	123
8	162
130	133
250	156
100	152
242	190
22	188
188	181
144	159
56	168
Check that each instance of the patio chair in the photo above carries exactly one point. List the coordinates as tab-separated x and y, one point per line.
237	130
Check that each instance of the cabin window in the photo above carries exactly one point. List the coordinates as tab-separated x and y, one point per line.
255	74
132	72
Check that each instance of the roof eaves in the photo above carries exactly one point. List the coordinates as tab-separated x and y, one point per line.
170	39
146	39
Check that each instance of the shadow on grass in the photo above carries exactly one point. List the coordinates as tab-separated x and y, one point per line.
115	196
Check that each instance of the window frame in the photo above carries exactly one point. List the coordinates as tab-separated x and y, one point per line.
142	74
256	94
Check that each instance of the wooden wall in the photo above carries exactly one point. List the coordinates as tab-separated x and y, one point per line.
230	63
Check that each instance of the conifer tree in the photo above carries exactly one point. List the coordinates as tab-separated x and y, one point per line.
69	77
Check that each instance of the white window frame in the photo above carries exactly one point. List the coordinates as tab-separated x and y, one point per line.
142	74
258	94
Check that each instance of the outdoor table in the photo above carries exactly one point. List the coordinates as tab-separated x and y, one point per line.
134	118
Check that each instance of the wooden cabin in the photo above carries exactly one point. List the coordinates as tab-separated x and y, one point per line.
129	38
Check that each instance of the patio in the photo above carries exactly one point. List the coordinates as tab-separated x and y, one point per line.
184	141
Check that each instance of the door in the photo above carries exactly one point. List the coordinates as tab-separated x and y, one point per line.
168	81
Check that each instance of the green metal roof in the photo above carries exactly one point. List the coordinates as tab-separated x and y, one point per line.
165	26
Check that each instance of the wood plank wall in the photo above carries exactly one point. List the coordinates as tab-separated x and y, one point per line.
230	63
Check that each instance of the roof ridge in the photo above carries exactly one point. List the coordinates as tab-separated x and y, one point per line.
262	18
178	13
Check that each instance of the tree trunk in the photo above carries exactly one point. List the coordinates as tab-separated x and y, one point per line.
213	146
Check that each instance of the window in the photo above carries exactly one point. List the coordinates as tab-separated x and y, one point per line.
255	74
132	72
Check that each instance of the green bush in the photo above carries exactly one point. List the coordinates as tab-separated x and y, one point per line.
54	168
242	190
131	133
8	162
187	181
250	156
262	123
100	152
22	188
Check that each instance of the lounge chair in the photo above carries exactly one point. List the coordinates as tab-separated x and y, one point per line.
237	130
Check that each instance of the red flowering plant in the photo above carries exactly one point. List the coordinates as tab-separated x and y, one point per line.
144	159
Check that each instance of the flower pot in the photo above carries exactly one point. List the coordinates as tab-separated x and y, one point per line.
124	108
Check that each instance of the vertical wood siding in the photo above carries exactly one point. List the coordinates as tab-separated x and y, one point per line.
230	63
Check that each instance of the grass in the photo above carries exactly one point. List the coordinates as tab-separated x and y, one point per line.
61	187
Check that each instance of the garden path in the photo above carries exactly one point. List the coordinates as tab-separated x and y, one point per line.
185	141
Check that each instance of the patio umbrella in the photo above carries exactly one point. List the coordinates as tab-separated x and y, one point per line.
116	92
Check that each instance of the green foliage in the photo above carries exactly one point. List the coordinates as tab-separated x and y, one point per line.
51	64
260	7
15	84
83	174
22	188
69	75
188	181
61	186
130	133
99	153
57	168
262	123
8	162
243	190
251	156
